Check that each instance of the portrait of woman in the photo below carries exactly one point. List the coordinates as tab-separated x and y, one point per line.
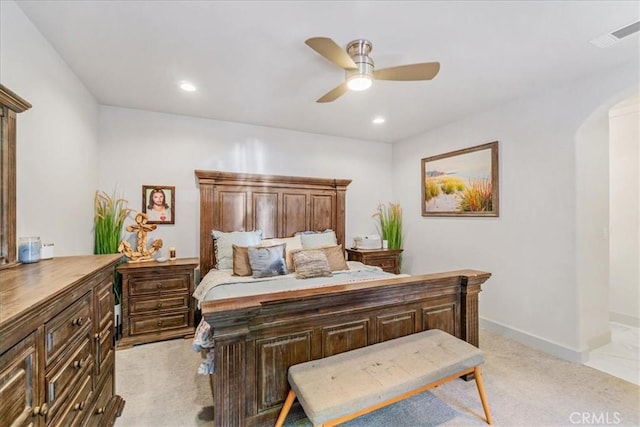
158	204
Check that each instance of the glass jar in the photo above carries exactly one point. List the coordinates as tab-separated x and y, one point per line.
29	249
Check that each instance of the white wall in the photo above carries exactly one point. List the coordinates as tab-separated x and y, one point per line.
592	226
57	138
58	170
531	248
625	212
143	148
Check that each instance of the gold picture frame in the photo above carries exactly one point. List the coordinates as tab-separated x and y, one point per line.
462	182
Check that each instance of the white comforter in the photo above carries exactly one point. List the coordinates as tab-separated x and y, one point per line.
221	284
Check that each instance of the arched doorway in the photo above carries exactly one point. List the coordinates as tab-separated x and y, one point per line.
608	236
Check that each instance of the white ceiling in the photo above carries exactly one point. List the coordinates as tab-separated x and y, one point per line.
250	63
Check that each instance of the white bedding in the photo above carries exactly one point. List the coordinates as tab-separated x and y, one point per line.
221	284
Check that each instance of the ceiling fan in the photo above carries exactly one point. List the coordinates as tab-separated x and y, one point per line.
359	68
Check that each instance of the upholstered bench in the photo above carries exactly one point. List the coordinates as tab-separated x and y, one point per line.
339	388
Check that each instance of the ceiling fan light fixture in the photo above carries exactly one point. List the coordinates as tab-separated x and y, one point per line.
359	82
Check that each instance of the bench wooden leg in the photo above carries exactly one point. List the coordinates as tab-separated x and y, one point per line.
483	396
285	408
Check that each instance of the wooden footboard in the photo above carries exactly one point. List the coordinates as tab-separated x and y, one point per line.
259	337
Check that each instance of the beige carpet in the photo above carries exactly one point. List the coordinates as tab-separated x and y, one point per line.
524	387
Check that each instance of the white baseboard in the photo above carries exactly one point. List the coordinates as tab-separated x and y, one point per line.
625	319
538	343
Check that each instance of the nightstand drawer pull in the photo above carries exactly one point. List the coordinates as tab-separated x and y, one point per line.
77	322
100	410
159	322
159	285
78	406
77	364
159	305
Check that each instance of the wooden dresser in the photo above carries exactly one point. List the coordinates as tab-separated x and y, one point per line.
156	301
57	360
387	259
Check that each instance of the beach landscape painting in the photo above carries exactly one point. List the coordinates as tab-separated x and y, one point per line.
462	182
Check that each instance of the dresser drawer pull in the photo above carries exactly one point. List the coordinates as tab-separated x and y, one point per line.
159	305
77	364
49	341
77	322
100	410
41	410
78	406
159	322
159	285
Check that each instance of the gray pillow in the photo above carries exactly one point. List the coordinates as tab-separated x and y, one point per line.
224	242
267	261
311	240
311	263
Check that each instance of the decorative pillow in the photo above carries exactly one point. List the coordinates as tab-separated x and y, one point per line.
241	265
293	243
311	240
311	263
334	254
224	241
267	261
335	257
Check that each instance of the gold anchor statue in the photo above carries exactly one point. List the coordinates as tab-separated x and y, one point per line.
142	253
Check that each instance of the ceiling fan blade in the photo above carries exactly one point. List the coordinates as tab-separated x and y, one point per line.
331	51
422	71
334	93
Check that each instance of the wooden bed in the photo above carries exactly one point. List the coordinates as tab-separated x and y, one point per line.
258	337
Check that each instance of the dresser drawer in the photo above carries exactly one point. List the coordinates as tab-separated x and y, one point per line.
76	407
18	383
143	325
104	297
104	351
143	305
148	285
74	321
64	376
95	414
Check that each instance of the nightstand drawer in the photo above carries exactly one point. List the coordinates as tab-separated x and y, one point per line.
142	305
141	286
387	259
142	325
386	264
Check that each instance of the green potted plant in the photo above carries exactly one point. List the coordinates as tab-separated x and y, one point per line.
110	213
390	224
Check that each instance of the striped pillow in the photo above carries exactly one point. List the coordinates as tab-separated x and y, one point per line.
311	263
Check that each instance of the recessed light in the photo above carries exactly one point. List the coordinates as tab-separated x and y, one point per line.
187	86
378	120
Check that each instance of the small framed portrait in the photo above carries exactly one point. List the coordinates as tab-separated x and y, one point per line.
158	202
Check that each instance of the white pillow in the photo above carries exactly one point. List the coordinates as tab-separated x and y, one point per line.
293	243
224	242
311	240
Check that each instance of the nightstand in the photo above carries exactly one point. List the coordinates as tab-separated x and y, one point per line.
387	259
156	301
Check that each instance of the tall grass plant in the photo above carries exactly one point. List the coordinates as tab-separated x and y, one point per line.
110	213
390	224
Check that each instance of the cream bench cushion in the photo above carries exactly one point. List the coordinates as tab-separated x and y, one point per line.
343	384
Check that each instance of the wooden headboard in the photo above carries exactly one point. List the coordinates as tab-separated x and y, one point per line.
278	205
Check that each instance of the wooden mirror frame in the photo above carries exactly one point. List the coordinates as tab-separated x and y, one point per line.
10	105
